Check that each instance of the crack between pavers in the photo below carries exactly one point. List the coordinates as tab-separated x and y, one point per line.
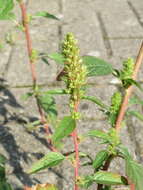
60	25
133	9
104	33
123	38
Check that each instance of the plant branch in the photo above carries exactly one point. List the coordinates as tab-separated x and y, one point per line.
76	148
32	67
124	108
129	90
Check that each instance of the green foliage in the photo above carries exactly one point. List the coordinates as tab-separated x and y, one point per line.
57	57
96	66
48	104
101	157
45	187
65	128
135	100
56	92
27	95
136	114
6	7
134	172
116	101
96	101
4	185
103	177
99	134
46	15
49	160
109	178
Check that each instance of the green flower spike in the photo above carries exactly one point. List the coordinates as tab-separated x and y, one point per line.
75	77
127	72
116	101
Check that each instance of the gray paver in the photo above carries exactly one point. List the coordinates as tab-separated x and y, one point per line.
107	29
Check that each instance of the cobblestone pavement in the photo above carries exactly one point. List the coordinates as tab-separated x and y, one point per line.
112	30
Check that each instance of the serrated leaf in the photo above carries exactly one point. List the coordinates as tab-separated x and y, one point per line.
136	114
100	158
65	128
99	134
96	66
134	172
96	101
48	104
6	7
46	15
49	160
56	91
109	178
57	57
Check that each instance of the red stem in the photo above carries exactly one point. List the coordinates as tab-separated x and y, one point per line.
32	67
28	40
76	171
29	50
76	148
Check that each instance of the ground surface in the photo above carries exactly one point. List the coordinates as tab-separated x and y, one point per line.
112	30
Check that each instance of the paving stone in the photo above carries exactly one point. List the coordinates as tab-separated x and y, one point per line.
111	30
84	24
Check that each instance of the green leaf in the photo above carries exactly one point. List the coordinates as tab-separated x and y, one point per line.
86	182
96	101
2	173
6	7
130	81
5	186
45	187
96	66
26	96
109	178
136	114
134	172
46	15
57	57
124	152
65	128
48	104
100	158
56	91
2	160
99	134
49	160
135	100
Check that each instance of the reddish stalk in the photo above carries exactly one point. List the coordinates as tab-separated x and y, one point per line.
29	50
32	67
125	105
76	148
129	90
128	95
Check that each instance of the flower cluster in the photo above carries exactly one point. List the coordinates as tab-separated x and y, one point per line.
116	101
76	72
128	68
